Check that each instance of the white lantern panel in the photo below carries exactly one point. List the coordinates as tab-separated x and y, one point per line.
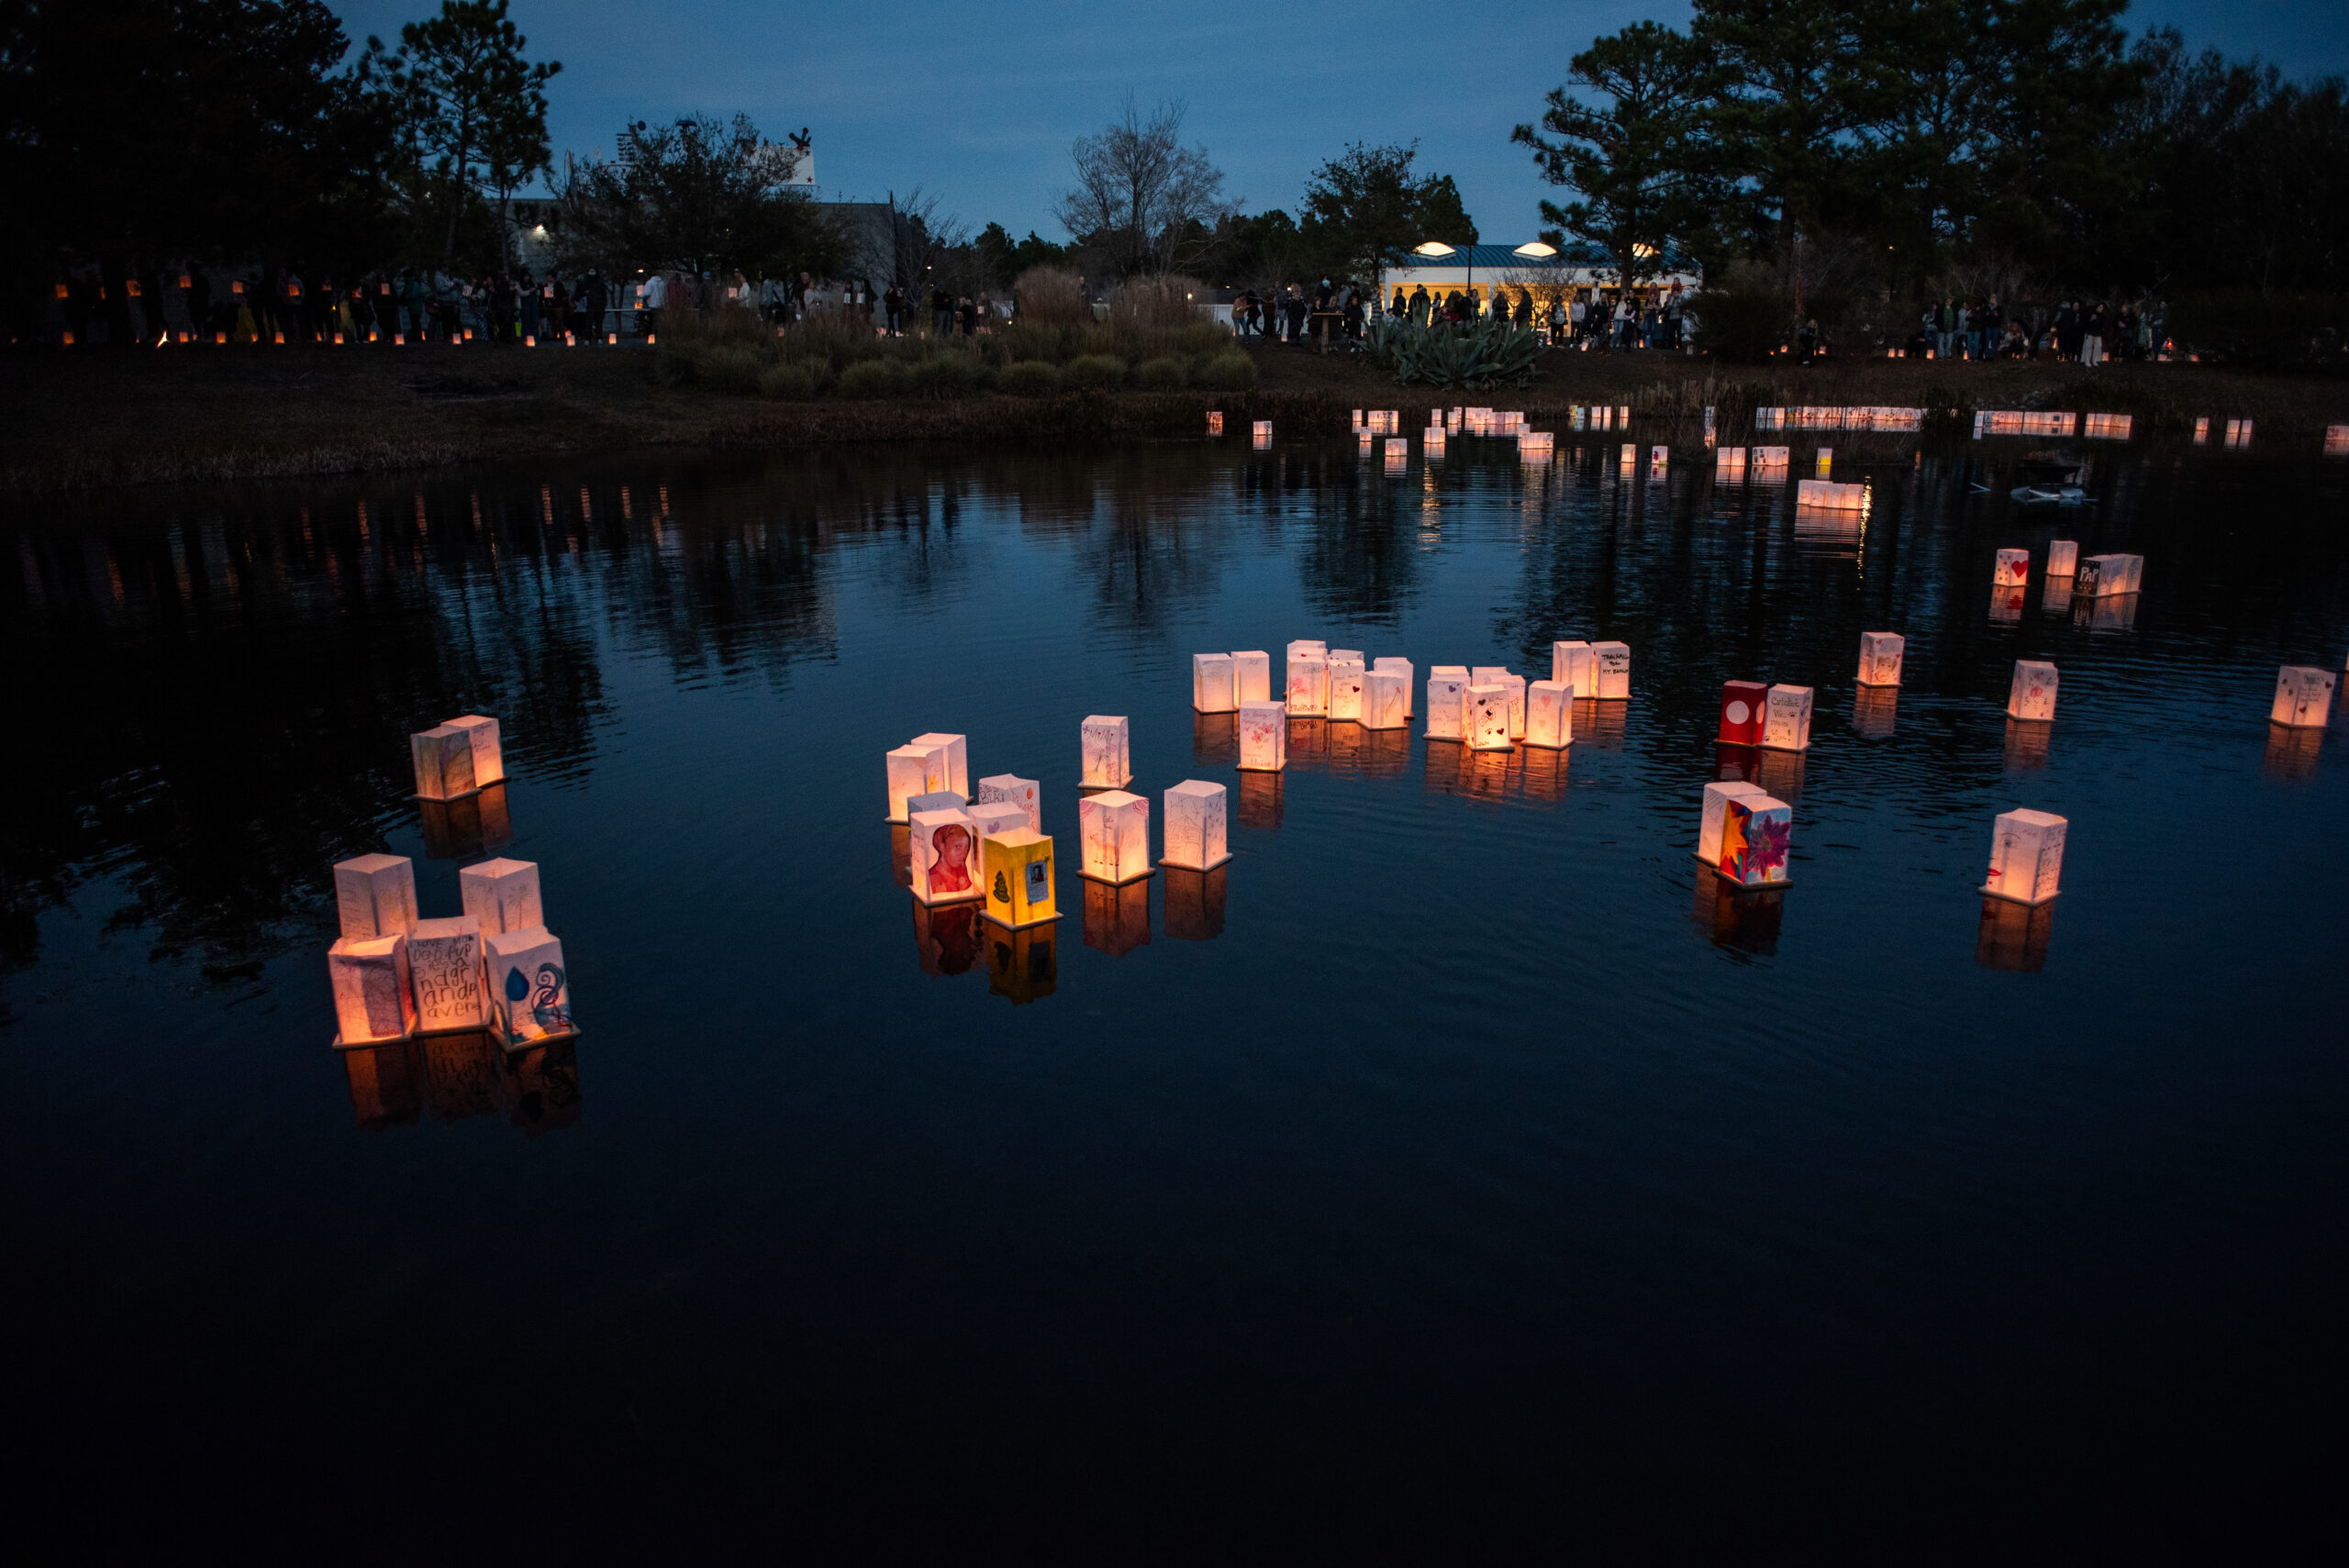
2012	569
1212	684
1708	828
2026	856
502	894
2063	557
1486	717
1252	677
1572	666
1011	789
372	997
958	760
1447	697
945	857
443	756
2033	694
529	986
1550	715
1785	723
1308	694
1003	817
445	968
912	770
1404	668
1384	704
1103	738
374	896
1881	653
2303	698
1614	662
1198	829
1263	736
1346	677
489	755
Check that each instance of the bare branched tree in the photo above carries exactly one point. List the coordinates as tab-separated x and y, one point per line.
1143	199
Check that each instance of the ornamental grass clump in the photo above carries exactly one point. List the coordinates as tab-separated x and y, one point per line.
1161	375
1029	378
1096	372
1230	371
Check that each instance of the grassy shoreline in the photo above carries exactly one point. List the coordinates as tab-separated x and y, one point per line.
159	416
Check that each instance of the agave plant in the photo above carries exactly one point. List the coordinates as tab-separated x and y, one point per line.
1479	354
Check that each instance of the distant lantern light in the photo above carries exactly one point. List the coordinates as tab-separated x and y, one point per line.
1880	657
2303	698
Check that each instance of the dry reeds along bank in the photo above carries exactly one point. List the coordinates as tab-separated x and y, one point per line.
1154	336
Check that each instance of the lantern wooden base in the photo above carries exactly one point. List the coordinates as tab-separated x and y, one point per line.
1147	871
1178	866
995	919
1988	892
341	1044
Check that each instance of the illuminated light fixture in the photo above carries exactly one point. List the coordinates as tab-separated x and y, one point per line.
2031	694
1536	250
530	988
1614	662
489	756
1214	422
1729	464
2026	857
1018	870
1786	725
1264	434
1826	464
1384	704
1011	789
2101	576
502	895
1659	460
1572	666
1263	736
945	856
1103	742
1742	705
958	760
1212	687
1498	675
1252	675
2012	569
1757	831
2202	431
1447	700
1629	460
912	770
1550	715
373	999
1198	829
1709	826
2303	698
1347	678
1771	462
1486	714
1402	667
1880	656
1433	248
443	757
445	968
2063	557
374	896
1113	837
1308	691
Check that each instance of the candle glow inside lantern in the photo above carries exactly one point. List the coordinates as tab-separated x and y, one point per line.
1786	725
945	857
1628	461
1498	675
2026	857
1397	452
912	770
2012	569
1572	667
1880	656
1213	684
2063	557
1264	434
1613	661
1263	736
1113	837
529	987
1659	460
1346	680
958	760
373	998
2303	698
445	967
1384	704
502	895
1018	870
1197	830
1307	693
1252	674
1756	836
1103	737
1729	464
1011	789
1770	463
1402	667
1215	423
1741	712
1550	715
1488	718
1826	461
1447	698
1716	798
374	896
489	757
443	756
2032	696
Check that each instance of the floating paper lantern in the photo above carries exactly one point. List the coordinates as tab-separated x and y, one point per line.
445	967
489	758
2303	698
1756	838
1307	693
2014	937
373	1001
1613	661
1213	684
1659	459
502	895
1572	667
2012	569
1335	654
374	896
1549	715
2336	440
1880	656
1742	702
1397	667
912	770
1826	461
530	988
2063	557
443	756
2026	857
1486	717
1623	415
1195	904
1875	711
1263	736
2202	431
1628	461
1215	423
2100	576
2238	433
1197	830
1729	464
1385	703
958	760
1353	419
1447	694
1113	837
1264	434
945	857
1103	738
1303	645
1498	675
2105	427
2033	694
1017	868
1786	725
1362	440
936	800
1252	674
1346	680
1003	817
1716	798
1769	463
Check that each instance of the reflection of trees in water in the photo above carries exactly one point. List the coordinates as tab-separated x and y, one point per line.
1146	524
1361	561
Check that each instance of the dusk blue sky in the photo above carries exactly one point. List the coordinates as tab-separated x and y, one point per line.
978	103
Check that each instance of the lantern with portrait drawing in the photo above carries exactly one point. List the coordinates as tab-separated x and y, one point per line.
1198	829
945	857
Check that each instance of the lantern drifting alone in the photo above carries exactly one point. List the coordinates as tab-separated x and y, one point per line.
1484	714
1214	688
2012	570
912	770
1786	725
945	856
445	967
443	758
1307	690
1613	661
2303	698
1881	653
1397	667
1011	789
1447	697
1708	826
1017	868
1347	679
1198	829
530	988
1252	676
1756	839
1103	739
2063	557
374	896
489	755
1113	837
1572	666
502	895
1550	715
2032	696
1385	700
374	1000
1263	736
1742	702
2026	857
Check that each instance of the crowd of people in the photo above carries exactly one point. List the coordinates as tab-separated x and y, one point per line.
2091	332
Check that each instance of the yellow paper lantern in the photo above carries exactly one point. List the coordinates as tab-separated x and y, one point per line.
1017	868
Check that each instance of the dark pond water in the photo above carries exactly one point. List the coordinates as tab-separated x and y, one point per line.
1457	1167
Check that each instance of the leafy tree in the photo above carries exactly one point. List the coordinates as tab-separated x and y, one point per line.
701	194
1797	79
1141	195
1365	207
1006	258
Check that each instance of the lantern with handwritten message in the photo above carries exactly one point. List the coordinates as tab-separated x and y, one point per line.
1011	789
1498	675
1307	691
1550	715
445	964
1212	685
1447	694
1113	837
958	760
373	1000
1252	675
489	757
374	896
1486	717
1880	656
1384	704
2303	698
1613	662
2031	694
1756	841
2026	856
1404	668
1346	679
1742	710
1198	829
1017	868
1708	826
1263	736
1785	723
1103	741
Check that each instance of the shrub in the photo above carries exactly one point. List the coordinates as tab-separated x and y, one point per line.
1097	371
1231	370
953	374
733	370
873	378
1049	296
1160	374
1029	378
788	384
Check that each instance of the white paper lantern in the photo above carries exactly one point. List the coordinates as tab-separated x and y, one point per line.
958	760
1198	829
2303	698
502	895
1215	423
1756	841
374	896
1397	454
373	999
1880	657
945	861
530	988
445	968
1630	462
1384	704
1113	837
1307	691
1550	715
1498	675
1346	680
1785	726
1263	736
443	756
1334	654
937	800
1572	666
1398	667
489	756
912	770
2026	857
1614	662
1729	464
1011	789
2032	696
2013	568
2063	557
1264	434
1003	817
1213	688
1708	828
1314	646
1103	741
1447	697
1486	717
